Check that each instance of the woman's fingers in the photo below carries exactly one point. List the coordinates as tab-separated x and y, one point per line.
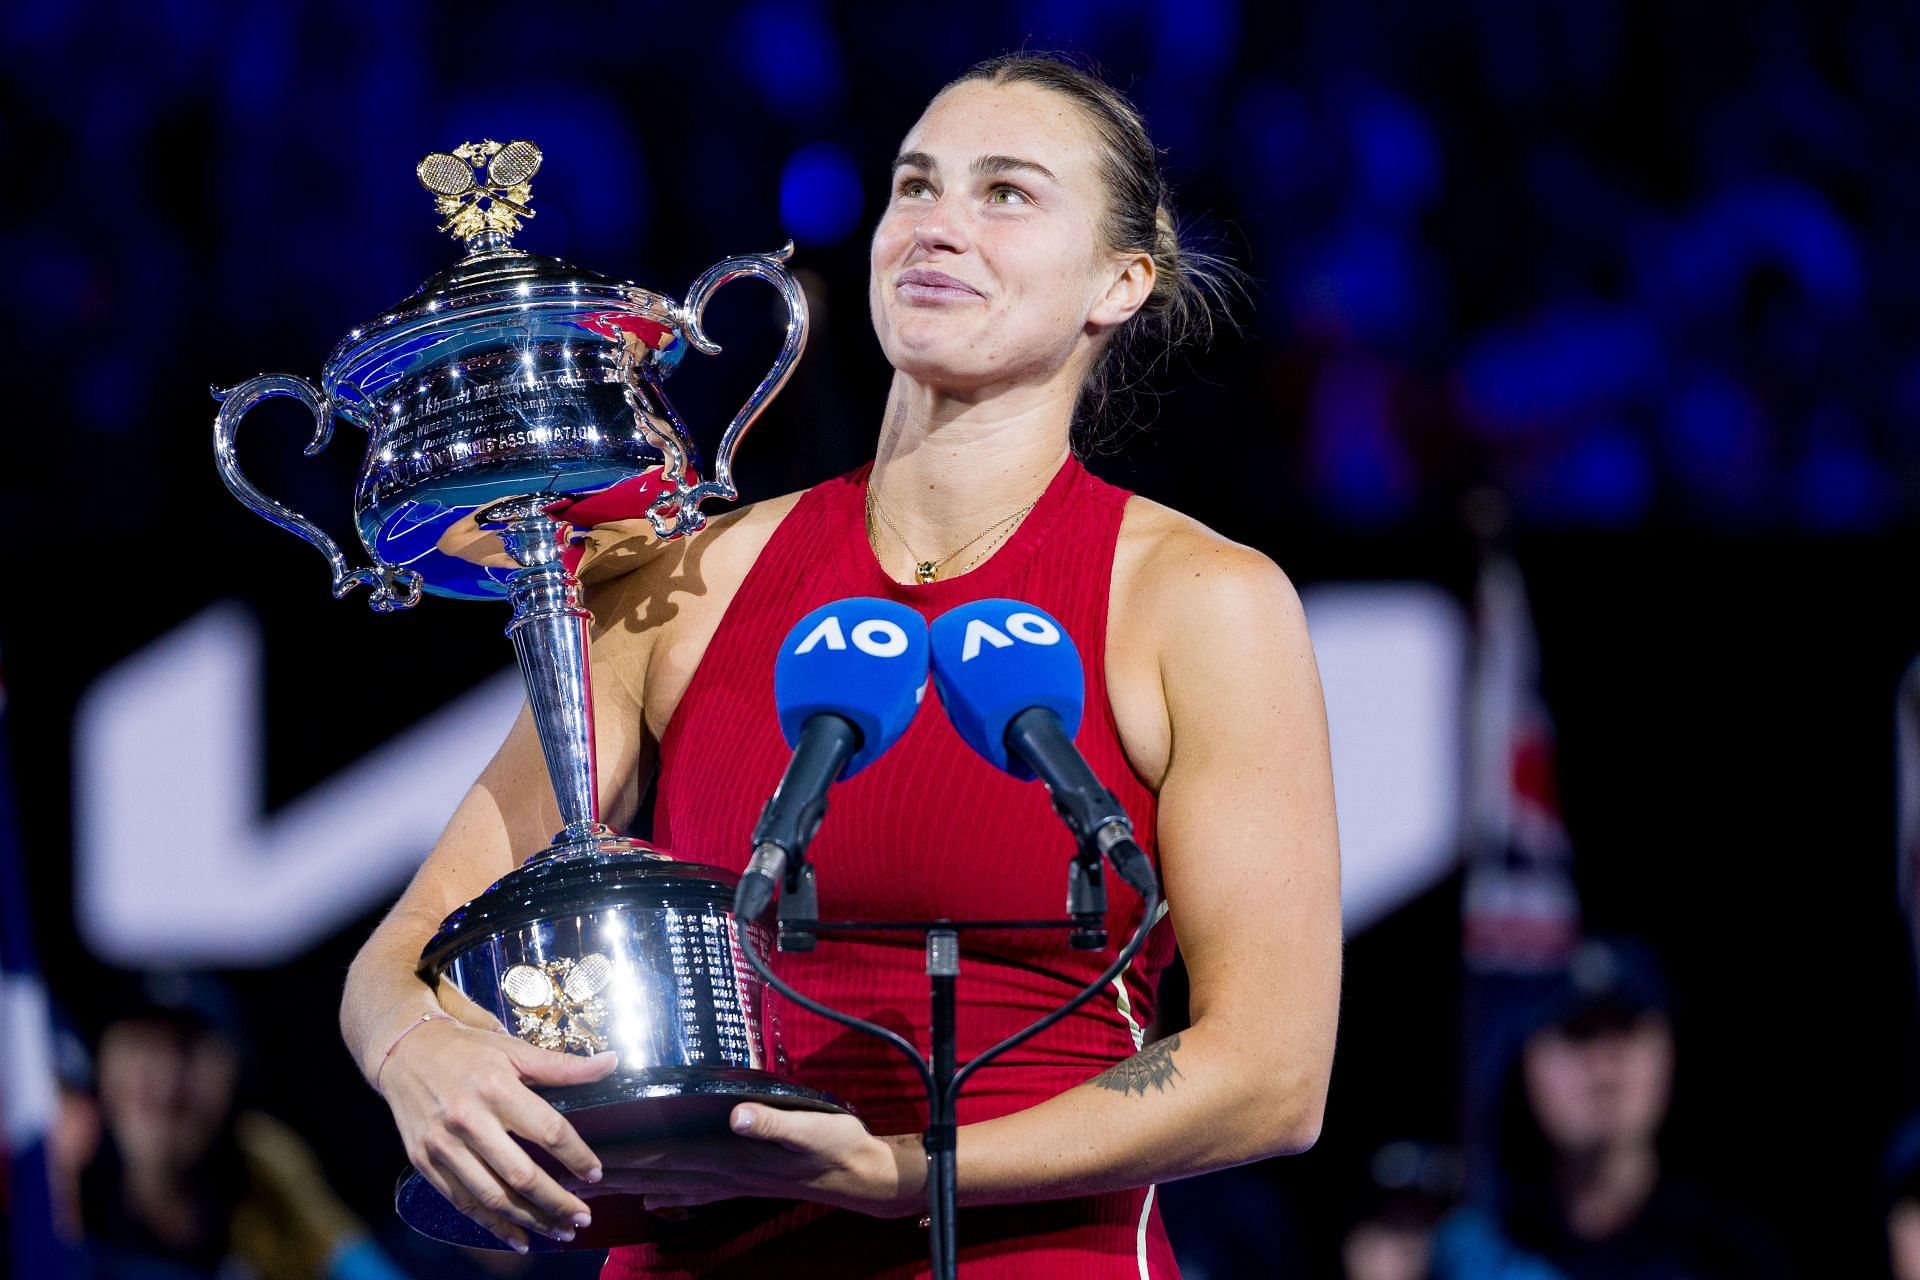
526	1113
794	1130
509	1185
546	1066
464	1102
558	1211
530	1196
468	1187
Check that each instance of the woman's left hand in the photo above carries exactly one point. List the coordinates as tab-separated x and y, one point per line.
800	1155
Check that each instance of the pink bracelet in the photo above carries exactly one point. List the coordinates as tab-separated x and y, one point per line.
406	1031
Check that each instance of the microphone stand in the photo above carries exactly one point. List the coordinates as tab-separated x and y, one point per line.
943	1080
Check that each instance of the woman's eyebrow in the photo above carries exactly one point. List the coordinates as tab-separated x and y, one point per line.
982	166
987	165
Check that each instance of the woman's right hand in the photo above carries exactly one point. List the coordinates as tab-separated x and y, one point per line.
460	1095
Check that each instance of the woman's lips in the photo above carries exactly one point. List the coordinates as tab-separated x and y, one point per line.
921	285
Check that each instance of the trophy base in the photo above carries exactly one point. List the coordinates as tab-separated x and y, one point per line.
653	1105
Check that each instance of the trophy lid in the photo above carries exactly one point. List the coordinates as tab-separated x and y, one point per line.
483	191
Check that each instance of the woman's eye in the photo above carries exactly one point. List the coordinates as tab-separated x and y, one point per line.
1004	194
913	188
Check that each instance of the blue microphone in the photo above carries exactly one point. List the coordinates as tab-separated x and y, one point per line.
1013	686
849	678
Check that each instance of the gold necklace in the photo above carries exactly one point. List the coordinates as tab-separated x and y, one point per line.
925	571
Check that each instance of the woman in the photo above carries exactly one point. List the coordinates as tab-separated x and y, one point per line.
1025	250
1582	1191
180	1180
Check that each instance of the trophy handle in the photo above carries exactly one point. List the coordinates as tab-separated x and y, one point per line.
393	587
675	514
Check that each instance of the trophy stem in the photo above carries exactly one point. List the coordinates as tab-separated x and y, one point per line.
549	634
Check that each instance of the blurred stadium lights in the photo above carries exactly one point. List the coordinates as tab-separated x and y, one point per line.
1786	225
1396	159
820	198
1542	376
1720	442
1836	487
1359	464
792	54
1605	476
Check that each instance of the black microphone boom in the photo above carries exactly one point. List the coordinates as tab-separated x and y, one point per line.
788	823
1091	812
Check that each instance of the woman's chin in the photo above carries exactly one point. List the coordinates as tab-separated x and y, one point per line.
946	360
950	378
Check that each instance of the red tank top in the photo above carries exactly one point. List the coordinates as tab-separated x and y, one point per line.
929	830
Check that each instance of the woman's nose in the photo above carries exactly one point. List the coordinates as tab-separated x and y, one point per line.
938	229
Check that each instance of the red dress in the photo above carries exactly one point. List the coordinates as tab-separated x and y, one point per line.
929	830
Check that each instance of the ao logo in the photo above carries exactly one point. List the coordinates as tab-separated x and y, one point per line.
1030	627
876	637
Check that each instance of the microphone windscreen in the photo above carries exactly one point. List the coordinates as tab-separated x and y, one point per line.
993	659
862	659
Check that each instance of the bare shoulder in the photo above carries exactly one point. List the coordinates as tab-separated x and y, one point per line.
1189	610
1171	570
656	603
630	573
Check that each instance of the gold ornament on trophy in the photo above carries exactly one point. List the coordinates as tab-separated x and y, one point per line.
472	205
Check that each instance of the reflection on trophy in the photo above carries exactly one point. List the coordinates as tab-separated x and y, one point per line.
507	390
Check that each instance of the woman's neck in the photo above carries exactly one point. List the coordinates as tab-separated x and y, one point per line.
946	469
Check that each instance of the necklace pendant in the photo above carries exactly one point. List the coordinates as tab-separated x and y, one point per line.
924	571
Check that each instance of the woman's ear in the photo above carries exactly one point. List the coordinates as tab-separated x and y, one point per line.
1126	294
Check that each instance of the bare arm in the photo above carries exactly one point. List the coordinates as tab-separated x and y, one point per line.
1250	863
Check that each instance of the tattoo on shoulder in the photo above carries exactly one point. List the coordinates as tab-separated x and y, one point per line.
1152	1066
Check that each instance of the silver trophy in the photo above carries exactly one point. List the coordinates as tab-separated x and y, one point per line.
506	399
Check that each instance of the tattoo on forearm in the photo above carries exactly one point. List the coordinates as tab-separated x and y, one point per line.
1153	1066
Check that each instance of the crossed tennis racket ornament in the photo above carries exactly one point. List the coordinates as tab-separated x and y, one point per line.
483	186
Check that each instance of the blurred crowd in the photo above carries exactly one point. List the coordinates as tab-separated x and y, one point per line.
161	1169
1578	1185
